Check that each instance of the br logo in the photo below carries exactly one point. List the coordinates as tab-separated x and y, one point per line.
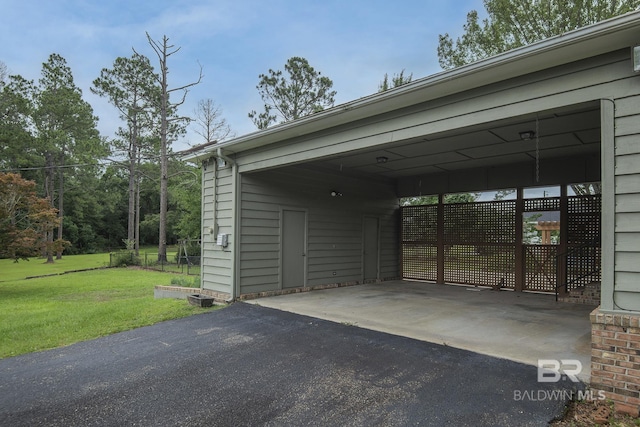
552	370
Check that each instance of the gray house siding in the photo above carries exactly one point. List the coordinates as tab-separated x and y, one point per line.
333	229
217	217
627	202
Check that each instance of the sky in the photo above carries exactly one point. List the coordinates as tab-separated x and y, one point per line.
353	42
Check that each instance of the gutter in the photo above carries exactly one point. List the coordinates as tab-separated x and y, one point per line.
220	155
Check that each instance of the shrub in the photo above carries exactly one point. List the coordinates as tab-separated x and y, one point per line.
186	282
124	259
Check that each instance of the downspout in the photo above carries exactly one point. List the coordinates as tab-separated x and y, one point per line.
220	155
236	239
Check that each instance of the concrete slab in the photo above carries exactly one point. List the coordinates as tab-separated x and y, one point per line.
522	327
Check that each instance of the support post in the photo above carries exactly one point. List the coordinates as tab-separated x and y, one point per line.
440	240
563	246
520	266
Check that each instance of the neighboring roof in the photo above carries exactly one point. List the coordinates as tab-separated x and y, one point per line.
606	36
544	216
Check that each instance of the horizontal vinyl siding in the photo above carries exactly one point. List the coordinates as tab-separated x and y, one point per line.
389	246
217	263
335	246
627	206
334	225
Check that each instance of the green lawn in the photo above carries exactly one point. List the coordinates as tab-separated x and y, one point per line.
10	270
48	312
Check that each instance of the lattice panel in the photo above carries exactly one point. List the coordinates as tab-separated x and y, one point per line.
583	266
541	268
479	244
584	204
482	222
419	238
420	224
484	265
538	205
419	261
583	220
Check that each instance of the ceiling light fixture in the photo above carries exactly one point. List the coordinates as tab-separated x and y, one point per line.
382	159
335	193
527	135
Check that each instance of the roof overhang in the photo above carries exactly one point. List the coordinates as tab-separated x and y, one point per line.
606	36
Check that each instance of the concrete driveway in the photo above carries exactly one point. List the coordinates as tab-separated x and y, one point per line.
523	327
246	365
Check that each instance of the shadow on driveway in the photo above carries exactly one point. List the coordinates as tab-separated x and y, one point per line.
251	365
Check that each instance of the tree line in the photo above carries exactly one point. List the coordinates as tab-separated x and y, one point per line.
128	190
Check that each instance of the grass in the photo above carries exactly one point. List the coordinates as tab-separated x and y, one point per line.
48	312
10	270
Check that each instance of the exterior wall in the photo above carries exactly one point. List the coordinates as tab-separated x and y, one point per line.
626	294
334	226
218	202
615	354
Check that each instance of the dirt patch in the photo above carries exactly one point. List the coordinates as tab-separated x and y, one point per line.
594	413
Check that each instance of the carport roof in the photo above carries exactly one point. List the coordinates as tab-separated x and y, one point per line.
606	36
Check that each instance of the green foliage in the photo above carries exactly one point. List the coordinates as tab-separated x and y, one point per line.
301	92
187	282
131	86
396	80
24	218
515	23
46	126
186	194
124	259
40	314
433	200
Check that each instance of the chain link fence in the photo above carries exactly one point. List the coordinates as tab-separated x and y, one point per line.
185	264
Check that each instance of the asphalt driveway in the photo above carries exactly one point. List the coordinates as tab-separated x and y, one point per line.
251	365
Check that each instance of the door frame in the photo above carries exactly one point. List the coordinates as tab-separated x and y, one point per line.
281	245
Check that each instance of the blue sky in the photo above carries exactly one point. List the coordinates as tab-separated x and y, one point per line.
353	42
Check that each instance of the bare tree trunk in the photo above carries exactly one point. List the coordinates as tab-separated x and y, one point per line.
164	168
132	200
137	233
49	193
163	52
60	204
137	219
164	187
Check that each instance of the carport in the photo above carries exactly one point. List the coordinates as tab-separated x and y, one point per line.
314	203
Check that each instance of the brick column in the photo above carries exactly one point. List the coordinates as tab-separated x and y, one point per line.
615	359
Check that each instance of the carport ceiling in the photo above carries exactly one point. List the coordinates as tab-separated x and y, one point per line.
565	132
